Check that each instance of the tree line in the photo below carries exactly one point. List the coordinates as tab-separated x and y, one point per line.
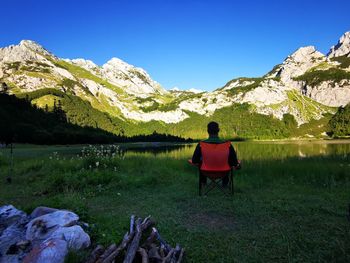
23	122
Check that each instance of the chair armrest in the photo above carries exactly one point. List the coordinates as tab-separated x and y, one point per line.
191	163
238	166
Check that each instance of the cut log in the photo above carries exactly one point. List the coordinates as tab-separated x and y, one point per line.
153	254
95	254
168	257
126	240
180	256
132	223
105	254
130	254
150	239
143	254
162	241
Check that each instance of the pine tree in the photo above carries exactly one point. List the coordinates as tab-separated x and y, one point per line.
4	88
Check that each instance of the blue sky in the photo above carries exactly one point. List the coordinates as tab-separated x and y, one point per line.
188	44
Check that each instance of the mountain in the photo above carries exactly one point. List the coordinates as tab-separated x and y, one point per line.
306	88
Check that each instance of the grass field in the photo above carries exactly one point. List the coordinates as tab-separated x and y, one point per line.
285	209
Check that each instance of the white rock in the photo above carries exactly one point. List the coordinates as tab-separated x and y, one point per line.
134	80
43	226
330	93
298	63
52	250
342	48
75	237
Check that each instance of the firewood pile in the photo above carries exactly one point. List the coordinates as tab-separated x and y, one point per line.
142	243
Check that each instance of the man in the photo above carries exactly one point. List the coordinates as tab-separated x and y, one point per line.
213	131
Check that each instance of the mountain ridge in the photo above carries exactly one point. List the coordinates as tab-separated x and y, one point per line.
128	93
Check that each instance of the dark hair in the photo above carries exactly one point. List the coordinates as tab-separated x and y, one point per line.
213	127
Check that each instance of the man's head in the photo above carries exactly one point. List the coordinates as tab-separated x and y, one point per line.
213	128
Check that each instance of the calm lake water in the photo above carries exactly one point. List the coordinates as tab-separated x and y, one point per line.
253	150
245	150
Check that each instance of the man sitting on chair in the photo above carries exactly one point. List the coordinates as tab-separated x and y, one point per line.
213	131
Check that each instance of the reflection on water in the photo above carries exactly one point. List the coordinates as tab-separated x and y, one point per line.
176	151
252	150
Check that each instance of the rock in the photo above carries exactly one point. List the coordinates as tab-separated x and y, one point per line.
135	81
46	238
298	63
40	228
342	48
75	237
330	93
52	250
11	235
10	215
42	210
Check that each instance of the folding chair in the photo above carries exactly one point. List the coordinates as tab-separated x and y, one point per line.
215	166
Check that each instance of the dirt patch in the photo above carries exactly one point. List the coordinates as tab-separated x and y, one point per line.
210	220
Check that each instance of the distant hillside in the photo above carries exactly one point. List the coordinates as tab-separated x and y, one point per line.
303	91
23	122
339	125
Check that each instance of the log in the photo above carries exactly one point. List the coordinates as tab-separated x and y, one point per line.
176	253
144	255
168	257
153	253
127	238
132	223
180	256
150	239
105	254
130	253
146	223
161	240
95	254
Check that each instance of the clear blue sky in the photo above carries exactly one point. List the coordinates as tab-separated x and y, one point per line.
183	43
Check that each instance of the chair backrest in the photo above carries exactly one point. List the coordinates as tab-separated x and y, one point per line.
215	156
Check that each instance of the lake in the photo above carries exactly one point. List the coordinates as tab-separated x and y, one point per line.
248	150
257	150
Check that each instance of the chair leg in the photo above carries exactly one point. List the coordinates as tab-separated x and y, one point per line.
232	186
199	184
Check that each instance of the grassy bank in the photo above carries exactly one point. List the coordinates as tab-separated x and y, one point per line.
284	210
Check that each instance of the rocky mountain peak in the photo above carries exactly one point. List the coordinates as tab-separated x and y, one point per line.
298	63
305	54
342	48
135	80
117	64
84	63
26	50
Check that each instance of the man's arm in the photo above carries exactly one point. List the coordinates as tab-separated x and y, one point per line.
232	157
197	155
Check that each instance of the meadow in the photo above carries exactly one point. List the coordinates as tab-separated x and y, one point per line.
290	203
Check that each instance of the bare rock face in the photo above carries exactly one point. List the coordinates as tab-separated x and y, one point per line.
134	80
298	63
342	48
27	50
330	93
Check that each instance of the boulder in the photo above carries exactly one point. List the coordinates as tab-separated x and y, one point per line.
75	237
51	250
41	228
42	210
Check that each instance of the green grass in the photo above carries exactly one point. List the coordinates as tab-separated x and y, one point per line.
286	208
343	60
315	77
83	73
